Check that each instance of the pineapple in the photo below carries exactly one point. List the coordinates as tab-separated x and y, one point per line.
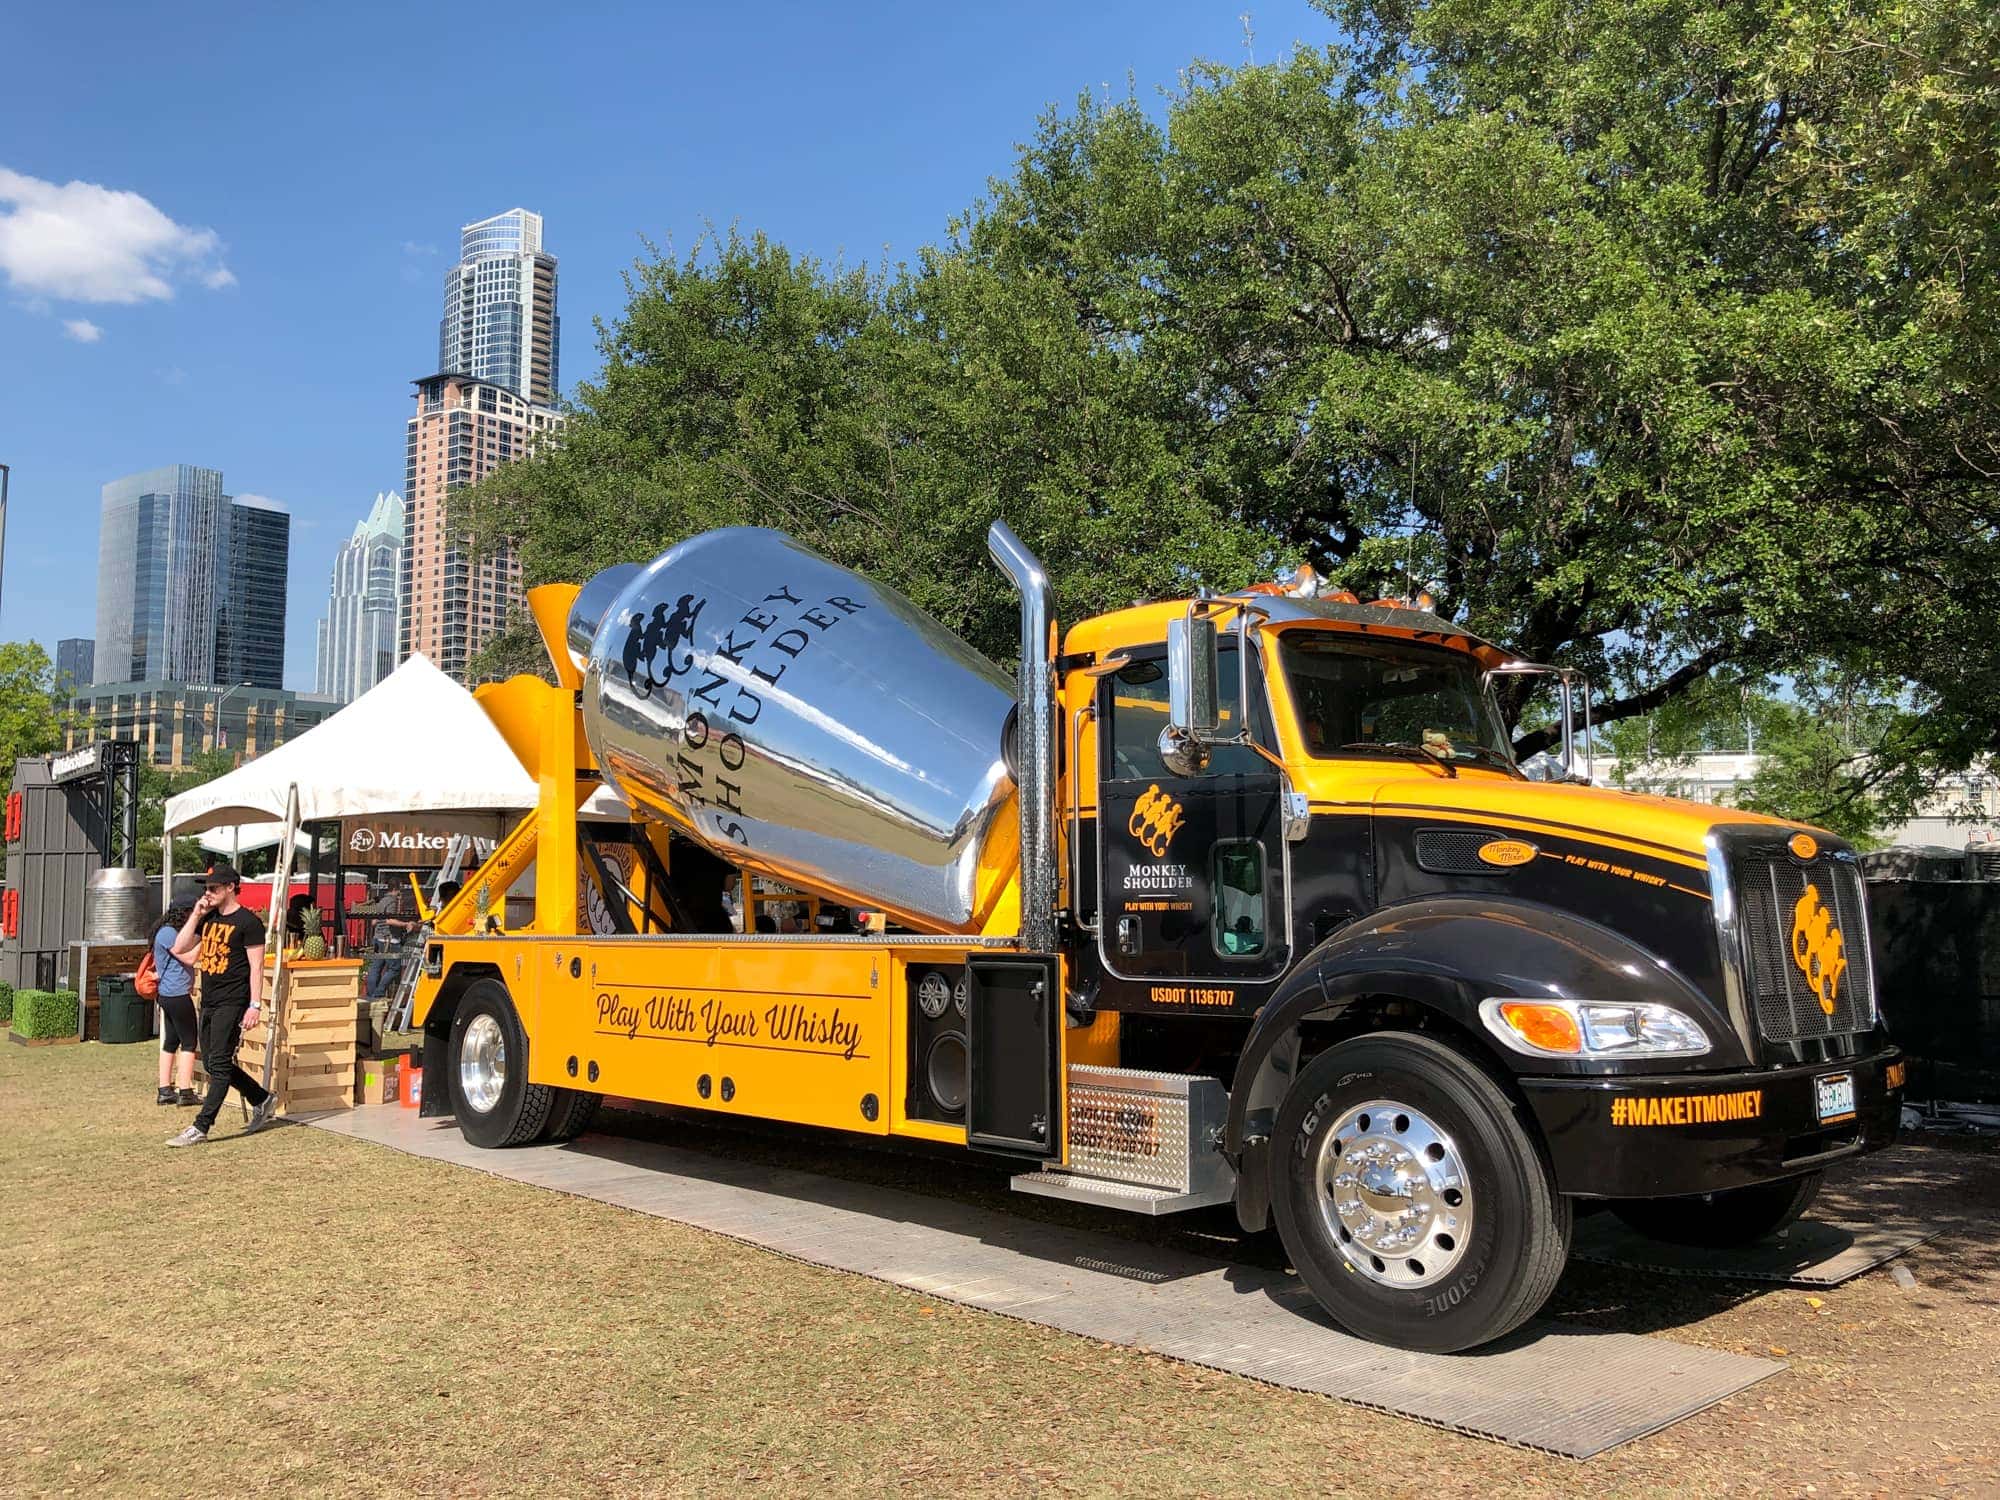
314	921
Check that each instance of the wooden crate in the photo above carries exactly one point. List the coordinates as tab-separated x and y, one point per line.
314	1069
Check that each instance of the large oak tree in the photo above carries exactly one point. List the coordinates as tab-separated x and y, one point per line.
1659	339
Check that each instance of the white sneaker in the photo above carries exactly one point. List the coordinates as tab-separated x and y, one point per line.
261	1115
189	1137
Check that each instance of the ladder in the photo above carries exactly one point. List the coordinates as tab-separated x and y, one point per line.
453	868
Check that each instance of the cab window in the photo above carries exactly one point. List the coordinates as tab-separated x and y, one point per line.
1139	712
1237	879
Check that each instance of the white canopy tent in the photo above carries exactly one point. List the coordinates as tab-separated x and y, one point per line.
415	742
246	838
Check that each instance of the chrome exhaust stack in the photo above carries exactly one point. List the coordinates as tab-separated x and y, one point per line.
1034	737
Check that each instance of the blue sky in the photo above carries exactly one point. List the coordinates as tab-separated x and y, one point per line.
261	280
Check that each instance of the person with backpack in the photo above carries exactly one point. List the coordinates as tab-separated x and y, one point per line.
165	978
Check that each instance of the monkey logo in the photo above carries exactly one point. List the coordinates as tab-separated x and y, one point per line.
1818	948
1155	820
657	645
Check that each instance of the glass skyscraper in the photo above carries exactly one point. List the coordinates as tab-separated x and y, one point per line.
500	322
190	583
357	639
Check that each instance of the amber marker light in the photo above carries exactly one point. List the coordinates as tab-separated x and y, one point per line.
1546	1028
1804	845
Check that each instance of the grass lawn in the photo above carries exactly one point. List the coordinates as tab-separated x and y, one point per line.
298	1312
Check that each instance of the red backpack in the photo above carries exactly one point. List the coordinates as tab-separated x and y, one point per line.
147	980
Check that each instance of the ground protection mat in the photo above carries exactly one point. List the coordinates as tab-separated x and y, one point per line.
1808	1253
1561	1390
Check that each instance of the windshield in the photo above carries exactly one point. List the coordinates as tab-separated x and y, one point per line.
1364	695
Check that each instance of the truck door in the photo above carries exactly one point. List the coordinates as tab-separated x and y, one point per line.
1191	869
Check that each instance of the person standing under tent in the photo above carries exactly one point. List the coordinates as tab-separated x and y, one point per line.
176	997
225	942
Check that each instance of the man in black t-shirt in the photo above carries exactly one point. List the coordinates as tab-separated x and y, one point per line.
225	943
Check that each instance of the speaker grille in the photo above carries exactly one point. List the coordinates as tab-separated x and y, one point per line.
1455	851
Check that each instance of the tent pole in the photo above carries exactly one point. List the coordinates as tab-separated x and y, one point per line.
281	884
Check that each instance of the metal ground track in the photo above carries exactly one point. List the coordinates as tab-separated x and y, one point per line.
1560	1390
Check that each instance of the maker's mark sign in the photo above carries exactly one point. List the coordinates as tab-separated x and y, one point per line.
391	843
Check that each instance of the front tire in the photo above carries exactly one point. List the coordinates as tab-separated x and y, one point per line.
1724	1220
1414	1204
488	1071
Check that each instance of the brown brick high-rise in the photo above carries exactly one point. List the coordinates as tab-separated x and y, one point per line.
462	430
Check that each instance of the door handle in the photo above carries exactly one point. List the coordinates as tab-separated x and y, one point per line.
1128	935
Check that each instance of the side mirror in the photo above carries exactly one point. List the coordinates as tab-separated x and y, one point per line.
1193	672
1181	753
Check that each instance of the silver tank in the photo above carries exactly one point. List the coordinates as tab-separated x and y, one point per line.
798	719
118	907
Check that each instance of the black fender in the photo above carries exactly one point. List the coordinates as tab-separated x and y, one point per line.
1442	955
437	1031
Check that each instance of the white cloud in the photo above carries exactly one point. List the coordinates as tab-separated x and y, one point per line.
418	247
79	242
82	330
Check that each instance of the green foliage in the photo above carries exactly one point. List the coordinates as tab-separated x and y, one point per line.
6	1003
45	1013
31	723
1839	753
1659	341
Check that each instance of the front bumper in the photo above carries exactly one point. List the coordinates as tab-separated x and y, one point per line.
1703	1132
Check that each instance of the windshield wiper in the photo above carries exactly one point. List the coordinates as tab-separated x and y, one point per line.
1406	749
1491	757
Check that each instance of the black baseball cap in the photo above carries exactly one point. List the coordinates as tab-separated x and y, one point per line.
221	873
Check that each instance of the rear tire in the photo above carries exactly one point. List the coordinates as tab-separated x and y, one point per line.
1724	1220
1414	1204
571	1115
487	1071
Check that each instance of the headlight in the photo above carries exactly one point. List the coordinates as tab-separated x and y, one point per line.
1592	1028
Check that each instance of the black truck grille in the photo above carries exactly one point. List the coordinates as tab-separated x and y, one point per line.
1794	948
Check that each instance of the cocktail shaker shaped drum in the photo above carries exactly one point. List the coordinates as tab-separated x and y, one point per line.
799	720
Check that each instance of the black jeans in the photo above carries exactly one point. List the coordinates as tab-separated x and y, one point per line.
221	1026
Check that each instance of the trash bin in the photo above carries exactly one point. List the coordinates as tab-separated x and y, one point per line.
121	1013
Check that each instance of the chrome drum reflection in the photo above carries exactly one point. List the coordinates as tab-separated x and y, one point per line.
798	719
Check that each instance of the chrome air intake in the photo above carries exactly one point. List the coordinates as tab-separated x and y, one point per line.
800	720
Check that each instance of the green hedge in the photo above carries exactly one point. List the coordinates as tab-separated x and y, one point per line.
6	1003
44	1013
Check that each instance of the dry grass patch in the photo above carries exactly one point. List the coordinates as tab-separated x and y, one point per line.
306	1313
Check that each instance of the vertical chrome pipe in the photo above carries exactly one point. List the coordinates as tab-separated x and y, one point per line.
1034	737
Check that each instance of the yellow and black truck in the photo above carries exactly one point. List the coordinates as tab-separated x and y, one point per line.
1240	899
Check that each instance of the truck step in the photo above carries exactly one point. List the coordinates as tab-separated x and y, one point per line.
1132	1197
1141	1141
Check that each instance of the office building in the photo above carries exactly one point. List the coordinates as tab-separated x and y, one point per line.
174	722
454	601
358	638
190	581
500	321
76	662
250	634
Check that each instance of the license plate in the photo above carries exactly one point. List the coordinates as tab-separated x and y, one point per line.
1833	1096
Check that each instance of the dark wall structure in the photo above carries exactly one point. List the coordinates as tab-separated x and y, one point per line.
59	836
1937	968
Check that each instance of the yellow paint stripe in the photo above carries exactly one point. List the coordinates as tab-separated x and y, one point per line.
1528	825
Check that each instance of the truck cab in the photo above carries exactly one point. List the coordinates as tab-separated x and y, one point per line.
1402	952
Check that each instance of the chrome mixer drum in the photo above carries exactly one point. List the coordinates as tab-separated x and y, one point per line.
798	719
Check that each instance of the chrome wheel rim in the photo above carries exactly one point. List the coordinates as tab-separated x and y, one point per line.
482	1063
1394	1195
